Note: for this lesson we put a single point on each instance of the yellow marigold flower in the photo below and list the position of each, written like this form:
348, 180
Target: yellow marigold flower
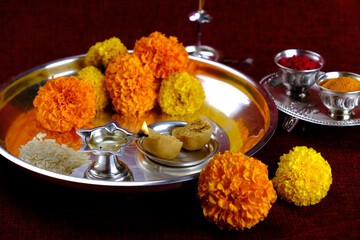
164, 55
131, 85
303, 177
65, 103
96, 79
181, 94
235, 191
102, 53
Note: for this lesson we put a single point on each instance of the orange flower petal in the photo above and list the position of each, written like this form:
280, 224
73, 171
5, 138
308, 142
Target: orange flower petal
235, 191
65, 103
164, 55
131, 85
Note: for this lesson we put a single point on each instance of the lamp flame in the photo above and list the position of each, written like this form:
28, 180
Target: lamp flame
145, 128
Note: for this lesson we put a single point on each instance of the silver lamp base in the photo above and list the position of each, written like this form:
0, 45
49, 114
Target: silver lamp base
109, 168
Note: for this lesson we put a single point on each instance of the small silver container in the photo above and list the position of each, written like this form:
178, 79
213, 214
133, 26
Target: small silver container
297, 82
340, 104
218, 142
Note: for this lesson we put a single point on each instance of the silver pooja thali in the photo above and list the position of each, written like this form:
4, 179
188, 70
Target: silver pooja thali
242, 114
309, 109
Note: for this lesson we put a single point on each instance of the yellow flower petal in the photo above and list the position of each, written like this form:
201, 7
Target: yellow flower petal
102, 53
181, 94
303, 177
96, 79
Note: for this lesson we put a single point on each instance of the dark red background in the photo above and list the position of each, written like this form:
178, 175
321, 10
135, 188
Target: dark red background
36, 32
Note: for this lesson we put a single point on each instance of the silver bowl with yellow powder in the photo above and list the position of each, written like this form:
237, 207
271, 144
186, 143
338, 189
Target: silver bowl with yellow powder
341, 103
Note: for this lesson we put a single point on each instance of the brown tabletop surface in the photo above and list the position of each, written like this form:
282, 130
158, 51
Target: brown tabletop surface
35, 32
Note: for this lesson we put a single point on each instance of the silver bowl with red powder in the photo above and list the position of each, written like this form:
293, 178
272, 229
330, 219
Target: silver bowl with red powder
298, 70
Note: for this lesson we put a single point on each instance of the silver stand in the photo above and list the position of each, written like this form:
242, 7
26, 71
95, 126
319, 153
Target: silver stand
198, 50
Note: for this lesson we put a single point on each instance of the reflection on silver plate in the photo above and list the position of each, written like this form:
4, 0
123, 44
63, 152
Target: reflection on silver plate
309, 109
187, 158
239, 105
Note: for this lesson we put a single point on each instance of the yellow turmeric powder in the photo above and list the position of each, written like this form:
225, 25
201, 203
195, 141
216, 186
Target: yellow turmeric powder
342, 84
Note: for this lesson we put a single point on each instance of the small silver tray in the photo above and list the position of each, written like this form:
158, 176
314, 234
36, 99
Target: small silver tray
309, 109
186, 158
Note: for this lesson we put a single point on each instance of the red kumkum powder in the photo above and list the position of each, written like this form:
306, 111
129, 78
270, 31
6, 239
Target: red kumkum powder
301, 62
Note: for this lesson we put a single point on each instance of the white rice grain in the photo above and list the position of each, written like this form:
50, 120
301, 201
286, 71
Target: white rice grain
48, 155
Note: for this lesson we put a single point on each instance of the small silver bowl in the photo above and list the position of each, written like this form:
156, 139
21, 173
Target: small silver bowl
298, 82
219, 142
340, 104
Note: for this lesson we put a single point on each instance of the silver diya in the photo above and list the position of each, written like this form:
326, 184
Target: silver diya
107, 143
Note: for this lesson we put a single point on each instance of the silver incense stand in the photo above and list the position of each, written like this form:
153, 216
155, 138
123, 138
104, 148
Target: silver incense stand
198, 50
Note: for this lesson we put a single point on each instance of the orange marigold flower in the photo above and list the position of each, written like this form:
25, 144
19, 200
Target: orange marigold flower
65, 103
102, 53
235, 191
132, 86
181, 94
164, 55
303, 177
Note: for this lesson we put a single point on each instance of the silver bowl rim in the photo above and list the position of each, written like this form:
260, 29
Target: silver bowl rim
137, 186
303, 52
